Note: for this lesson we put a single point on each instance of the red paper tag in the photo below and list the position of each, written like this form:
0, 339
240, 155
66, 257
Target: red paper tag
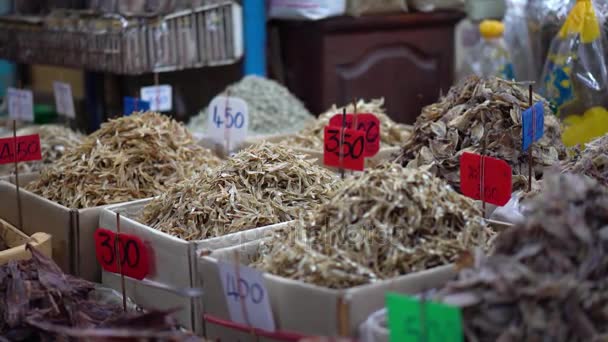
28, 148
134, 257
367, 123
353, 148
497, 174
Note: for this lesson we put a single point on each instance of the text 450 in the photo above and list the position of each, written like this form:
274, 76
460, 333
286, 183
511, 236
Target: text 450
232, 120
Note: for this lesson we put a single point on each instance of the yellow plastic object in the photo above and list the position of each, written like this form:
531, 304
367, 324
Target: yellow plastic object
490, 29
582, 129
581, 20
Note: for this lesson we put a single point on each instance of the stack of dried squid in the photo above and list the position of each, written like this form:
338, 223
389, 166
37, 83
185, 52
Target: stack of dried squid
592, 161
547, 278
392, 134
388, 222
261, 185
55, 140
128, 158
475, 111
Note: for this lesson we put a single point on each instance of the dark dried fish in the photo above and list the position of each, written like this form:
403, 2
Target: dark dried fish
473, 111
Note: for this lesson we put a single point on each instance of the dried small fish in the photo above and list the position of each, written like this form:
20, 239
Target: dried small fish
388, 222
54, 141
546, 279
129, 158
592, 161
474, 111
261, 185
391, 133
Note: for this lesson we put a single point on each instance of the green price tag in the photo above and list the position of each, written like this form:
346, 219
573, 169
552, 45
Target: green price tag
410, 320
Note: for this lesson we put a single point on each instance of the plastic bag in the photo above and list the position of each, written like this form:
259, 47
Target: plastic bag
490, 57
436, 5
306, 9
518, 40
359, 7
575, 78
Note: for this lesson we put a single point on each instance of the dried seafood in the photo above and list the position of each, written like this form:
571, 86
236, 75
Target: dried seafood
547, 277
261, 185
476, 110
272, 108
54, 141
392, 134
592, 161
390, 221
128, 158
39, 302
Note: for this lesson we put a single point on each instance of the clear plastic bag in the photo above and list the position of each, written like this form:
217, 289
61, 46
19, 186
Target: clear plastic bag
306, 9
574, 77
490, 57
518, 41
359, 7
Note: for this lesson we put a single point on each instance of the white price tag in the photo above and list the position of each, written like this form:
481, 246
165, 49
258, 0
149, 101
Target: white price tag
227, 121
249, 304
20, 104
160, 97
64, 102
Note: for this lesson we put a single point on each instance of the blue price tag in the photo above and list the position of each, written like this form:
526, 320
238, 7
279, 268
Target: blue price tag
134, 104
533, 125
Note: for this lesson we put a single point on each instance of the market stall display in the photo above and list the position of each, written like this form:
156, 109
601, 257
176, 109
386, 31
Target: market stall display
474, 111
388, 222
591, 161
546, 277
13, 242
132, 157
262, 185
55, 140
272, 108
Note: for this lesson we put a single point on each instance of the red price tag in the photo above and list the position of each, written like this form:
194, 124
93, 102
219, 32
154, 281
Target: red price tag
135, 262
367, 123
353, 147
28, 148
496, 176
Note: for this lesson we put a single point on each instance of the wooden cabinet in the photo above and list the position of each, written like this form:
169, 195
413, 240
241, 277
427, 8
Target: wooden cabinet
407, 59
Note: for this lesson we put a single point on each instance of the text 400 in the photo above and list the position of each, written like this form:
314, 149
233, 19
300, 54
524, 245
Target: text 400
253, 291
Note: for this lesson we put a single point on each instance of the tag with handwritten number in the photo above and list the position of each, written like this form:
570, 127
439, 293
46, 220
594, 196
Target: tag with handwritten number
28, 148
533, 125
367, 123
353, 148
228, 121
160, 97
411, 320
20, 104
64, 102
496, 183
252, 295
135, 262
131, 105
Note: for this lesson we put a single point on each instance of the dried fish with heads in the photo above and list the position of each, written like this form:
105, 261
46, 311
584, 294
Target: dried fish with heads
388, 222
261, 185
591, 161
129, 158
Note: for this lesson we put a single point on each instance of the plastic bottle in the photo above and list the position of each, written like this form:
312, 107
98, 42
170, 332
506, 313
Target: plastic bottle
490, 57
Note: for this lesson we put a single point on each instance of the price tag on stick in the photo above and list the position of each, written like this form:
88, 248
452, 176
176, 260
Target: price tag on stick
64, 102
160, 97
135, 261
27, 149
533, 125
367, 123
228, 121
244, 286
490, 175
20, 104
410, 319
352, 151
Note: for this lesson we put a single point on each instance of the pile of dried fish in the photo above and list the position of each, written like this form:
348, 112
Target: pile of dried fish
272, 108
592, 161
54, 141
392, 134
547, 277
480, 110
388, 222
261, 185
128, 158
39, 302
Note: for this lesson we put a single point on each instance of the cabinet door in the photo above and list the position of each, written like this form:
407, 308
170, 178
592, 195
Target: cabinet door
408, 67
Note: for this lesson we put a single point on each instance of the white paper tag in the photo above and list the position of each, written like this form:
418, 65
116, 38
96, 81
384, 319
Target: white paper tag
160, 97
64, 102
228, 121
20, 104
249, 305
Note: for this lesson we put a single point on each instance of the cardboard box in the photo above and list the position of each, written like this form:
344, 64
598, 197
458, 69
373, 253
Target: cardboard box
304, 308
173, 261
72, 229
16, 241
